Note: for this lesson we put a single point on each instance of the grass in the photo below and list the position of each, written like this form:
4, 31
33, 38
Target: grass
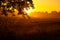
16, 28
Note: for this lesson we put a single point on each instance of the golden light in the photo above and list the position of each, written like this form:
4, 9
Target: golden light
46, 5
11, 8
4, 3
15, 12
28, 2
28, 10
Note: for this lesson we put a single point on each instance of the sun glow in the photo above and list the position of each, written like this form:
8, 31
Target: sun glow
46, 5
28, 10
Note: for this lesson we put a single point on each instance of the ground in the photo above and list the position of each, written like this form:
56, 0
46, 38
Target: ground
19, 28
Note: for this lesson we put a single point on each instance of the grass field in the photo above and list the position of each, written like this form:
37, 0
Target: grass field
17, 28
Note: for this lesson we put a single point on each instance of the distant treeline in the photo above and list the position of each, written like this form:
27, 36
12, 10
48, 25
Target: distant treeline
52, 14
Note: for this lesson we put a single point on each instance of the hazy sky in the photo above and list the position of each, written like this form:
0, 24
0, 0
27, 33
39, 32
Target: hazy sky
47, 5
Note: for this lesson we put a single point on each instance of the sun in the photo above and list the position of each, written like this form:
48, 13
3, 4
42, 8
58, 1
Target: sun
29, 10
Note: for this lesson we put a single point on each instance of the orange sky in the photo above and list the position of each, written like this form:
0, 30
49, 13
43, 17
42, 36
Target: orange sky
47, 5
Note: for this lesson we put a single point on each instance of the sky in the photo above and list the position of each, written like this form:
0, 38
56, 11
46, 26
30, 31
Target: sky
46, 5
